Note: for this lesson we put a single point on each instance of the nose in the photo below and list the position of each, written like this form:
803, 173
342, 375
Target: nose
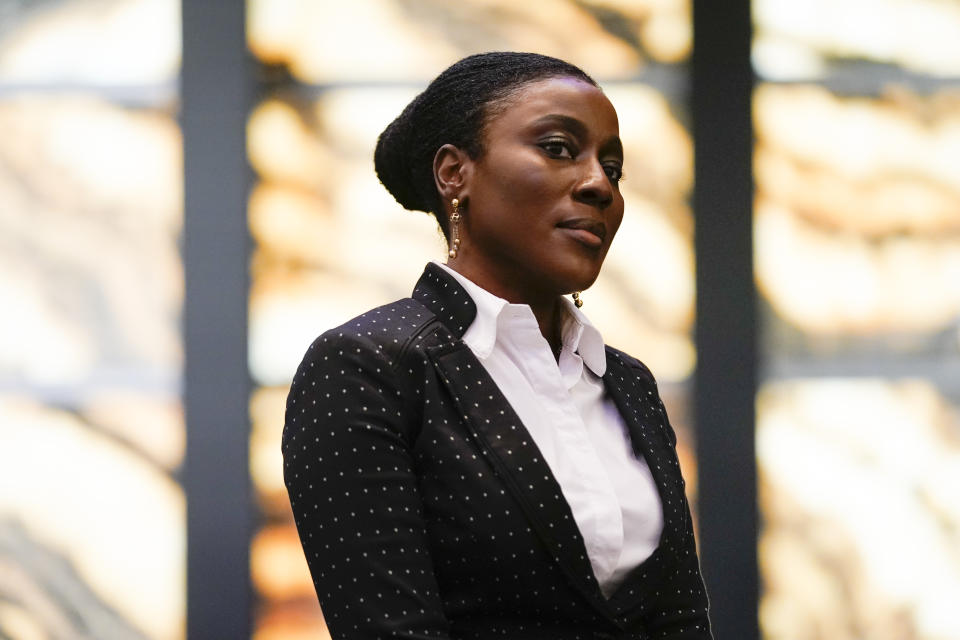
594, 187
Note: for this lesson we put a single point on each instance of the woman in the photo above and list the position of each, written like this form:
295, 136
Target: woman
472, 462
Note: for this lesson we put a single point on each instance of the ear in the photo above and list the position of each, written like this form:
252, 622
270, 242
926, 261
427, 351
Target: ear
451, 172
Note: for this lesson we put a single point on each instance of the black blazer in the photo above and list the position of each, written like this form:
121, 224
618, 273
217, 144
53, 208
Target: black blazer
426, 511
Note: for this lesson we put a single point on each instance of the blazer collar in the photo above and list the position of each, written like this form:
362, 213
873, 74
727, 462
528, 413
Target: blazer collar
439, 292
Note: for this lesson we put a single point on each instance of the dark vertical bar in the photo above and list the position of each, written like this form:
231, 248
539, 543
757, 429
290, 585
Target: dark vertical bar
726, 332
216, 94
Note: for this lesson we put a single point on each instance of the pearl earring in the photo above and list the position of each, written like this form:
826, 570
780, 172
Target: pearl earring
576, 299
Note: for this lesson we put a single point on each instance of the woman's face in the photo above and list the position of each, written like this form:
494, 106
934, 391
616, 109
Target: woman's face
542, 202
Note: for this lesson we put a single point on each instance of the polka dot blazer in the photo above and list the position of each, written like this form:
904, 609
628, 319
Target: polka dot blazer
426, 511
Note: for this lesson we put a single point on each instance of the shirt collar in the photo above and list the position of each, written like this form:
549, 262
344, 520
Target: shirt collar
581, 336
577, 332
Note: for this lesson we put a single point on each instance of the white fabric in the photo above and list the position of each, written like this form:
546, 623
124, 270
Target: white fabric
576, 426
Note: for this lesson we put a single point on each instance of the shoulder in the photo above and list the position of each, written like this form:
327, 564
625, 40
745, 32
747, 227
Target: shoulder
381, 333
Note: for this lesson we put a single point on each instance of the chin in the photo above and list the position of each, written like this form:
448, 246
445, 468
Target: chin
579, 278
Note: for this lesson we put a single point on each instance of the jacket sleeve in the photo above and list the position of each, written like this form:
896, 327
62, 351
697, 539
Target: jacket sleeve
679, 608
350, 476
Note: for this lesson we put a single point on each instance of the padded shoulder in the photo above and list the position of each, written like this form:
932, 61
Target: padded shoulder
387, 329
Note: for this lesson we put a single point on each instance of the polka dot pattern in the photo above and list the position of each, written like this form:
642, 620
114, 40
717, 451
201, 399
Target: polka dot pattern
425, 510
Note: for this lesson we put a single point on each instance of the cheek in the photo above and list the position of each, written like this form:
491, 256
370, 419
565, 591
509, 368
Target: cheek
616, 220
523, 180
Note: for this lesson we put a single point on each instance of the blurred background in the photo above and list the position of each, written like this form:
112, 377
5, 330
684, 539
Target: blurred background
149, 148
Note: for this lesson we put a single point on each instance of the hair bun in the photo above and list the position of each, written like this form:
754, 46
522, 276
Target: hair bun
393, 163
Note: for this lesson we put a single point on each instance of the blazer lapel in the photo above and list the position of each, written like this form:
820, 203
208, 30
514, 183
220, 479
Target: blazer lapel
500, 435
643, 413
640, 411
518, 463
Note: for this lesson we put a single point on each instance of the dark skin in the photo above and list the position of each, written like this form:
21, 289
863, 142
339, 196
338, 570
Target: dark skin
542, 203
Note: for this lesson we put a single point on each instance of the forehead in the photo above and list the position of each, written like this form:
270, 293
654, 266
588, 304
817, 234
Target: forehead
556, 96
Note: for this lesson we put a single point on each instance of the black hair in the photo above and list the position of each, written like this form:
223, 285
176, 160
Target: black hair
453, 109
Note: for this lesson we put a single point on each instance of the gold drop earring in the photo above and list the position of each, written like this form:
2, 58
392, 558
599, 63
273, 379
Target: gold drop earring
455, 228
576, 299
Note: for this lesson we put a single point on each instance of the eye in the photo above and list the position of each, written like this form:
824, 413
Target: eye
614, 171
558, 148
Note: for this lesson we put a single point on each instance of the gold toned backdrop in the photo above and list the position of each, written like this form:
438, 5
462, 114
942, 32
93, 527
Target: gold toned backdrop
91, 288
857, 250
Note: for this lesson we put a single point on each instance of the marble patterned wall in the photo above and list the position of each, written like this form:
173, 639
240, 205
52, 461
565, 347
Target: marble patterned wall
857, 250
92, 532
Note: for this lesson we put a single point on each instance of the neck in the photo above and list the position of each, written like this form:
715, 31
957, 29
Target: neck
546, 306
550, 320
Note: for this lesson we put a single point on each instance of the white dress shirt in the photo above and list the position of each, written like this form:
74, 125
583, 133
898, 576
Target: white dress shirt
576, 426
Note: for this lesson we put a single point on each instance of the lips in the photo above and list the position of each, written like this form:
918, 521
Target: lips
589, 231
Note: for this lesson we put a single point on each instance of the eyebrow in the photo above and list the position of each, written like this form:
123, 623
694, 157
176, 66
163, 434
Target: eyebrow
578, 129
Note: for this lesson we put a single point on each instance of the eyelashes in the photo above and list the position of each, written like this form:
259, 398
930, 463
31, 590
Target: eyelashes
614, 172
558, 148
561, 148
